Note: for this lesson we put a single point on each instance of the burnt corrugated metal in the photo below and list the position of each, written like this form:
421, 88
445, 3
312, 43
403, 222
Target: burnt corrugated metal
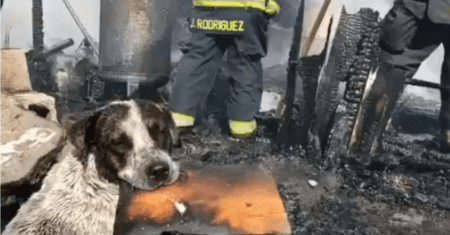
135, 38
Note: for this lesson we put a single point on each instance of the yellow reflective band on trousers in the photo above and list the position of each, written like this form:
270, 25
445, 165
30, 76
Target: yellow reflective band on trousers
182, 120
242, 127
271, 8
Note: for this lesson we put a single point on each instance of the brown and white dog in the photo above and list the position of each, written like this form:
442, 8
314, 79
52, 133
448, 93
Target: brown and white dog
125, 141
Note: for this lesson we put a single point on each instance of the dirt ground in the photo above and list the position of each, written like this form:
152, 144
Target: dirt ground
406, 191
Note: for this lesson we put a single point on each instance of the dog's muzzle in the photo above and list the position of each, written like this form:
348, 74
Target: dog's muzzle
147, 172
158, 171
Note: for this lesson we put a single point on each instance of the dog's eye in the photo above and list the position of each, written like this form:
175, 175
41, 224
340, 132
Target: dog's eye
121, 144
119, 149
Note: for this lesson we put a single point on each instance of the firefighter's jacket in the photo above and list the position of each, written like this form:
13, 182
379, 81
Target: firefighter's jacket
269, 7
438, 11
230, 16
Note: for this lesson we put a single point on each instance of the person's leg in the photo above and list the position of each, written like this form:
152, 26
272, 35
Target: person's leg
194, 78
246, 84
406, 41
444, 116
245, 91
246, 75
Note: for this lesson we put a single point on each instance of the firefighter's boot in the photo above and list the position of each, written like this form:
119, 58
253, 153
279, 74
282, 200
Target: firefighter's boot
377, 105
243, 130
184, 123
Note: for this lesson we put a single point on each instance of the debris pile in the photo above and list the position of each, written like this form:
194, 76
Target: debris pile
29, 128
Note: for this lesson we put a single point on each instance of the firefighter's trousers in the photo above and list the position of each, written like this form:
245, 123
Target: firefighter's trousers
204, 57
407, 40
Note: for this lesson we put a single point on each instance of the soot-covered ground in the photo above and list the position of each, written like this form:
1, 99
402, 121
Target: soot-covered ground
406, 191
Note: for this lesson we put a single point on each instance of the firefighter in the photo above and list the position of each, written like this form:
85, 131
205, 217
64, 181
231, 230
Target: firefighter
237, 29
410, 32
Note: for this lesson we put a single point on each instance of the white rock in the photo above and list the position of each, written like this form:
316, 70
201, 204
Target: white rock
41, 99
312, 183
32, 138
25, 137
17, 157
407, 219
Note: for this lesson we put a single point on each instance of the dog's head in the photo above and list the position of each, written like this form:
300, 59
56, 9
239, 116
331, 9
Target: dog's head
131, 141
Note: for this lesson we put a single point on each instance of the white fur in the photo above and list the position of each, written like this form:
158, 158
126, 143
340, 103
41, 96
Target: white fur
136, 129
143, 146
73, 200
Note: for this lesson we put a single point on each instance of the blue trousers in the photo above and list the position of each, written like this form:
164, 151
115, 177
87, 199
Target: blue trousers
408, 37
240, 55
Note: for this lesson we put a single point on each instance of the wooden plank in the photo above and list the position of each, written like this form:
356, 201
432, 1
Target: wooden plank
316, 26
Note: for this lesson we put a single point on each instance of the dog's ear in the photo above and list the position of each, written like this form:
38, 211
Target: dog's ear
83, 132
90, 135
169, 138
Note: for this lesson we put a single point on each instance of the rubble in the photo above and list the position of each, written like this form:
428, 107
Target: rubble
349, 198
26, 136
312, 183
407, 220
37, 101
16, 154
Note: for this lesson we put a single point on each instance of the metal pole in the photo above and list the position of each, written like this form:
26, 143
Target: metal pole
54, 49
80, 25
316, 26
421, 83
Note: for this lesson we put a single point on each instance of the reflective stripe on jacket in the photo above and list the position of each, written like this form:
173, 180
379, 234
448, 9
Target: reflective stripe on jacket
268, 6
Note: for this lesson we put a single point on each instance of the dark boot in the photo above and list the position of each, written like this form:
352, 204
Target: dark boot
377, 106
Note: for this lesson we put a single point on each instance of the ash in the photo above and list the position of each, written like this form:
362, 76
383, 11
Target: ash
405, 191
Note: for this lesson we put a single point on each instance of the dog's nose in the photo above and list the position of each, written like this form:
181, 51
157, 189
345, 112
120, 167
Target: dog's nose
158, 171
